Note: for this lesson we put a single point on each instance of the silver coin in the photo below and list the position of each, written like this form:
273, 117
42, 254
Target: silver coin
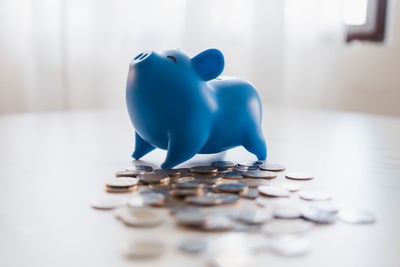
260, 174
222, 170
153, 178
186, 192
245, 168
318, 216
217, 223
289, 245
184, 171
140, 217
192, 218
204, 169
272, 167
223, 164
251, 193
314, 195
183, 179
159, 190
183, 207
128, 173
231, 187
119, 212
254, 216
168, 172
228, 198
243, 227
140, 168
194, 245
272, 191
290, 186
356, 216
325, 206
287, 211
122, 182
254, 183
299, 176
233, 175
262, 201
204, 200
150, 199
252, 163
194, 184
209, 176
107, 203
287, 227
144, 249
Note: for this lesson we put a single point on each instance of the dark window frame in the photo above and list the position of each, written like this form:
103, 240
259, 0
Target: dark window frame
374, 28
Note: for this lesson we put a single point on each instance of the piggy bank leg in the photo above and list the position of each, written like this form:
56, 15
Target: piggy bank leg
141, 147
254, 142
182, 147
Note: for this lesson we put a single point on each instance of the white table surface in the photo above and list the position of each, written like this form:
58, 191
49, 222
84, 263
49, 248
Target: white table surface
51, 164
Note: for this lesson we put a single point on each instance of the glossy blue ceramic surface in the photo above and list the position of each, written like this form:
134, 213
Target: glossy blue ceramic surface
177, 103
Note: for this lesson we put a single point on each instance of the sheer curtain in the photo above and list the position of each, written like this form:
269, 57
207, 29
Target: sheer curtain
73, 54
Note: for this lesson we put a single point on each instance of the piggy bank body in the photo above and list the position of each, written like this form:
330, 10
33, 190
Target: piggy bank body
178, 104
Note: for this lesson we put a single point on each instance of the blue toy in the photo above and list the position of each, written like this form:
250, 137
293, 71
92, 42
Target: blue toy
177, 103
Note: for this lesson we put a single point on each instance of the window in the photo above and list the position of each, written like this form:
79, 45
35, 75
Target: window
365, 20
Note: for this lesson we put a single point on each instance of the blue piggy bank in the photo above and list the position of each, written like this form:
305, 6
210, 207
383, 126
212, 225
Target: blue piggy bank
177, 103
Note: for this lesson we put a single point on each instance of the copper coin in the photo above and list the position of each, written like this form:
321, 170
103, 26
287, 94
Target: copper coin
120, 189
122, 182
153, 178
185, 192
204, 169
232, 175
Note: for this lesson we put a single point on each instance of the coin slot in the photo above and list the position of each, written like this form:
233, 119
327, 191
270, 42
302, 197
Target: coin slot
138, 56
143, 56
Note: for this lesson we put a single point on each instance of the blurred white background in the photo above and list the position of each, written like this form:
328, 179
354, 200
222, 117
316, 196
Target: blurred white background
63, 55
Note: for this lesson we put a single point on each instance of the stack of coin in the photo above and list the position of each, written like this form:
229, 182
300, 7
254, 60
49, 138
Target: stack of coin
224, 196
121, 185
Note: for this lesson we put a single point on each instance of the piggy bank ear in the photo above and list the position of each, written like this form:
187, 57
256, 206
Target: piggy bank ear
209, 64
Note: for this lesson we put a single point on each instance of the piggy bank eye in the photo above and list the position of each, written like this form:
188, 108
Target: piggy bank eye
173, 58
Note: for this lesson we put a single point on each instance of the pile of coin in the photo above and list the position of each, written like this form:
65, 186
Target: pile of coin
224, 196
